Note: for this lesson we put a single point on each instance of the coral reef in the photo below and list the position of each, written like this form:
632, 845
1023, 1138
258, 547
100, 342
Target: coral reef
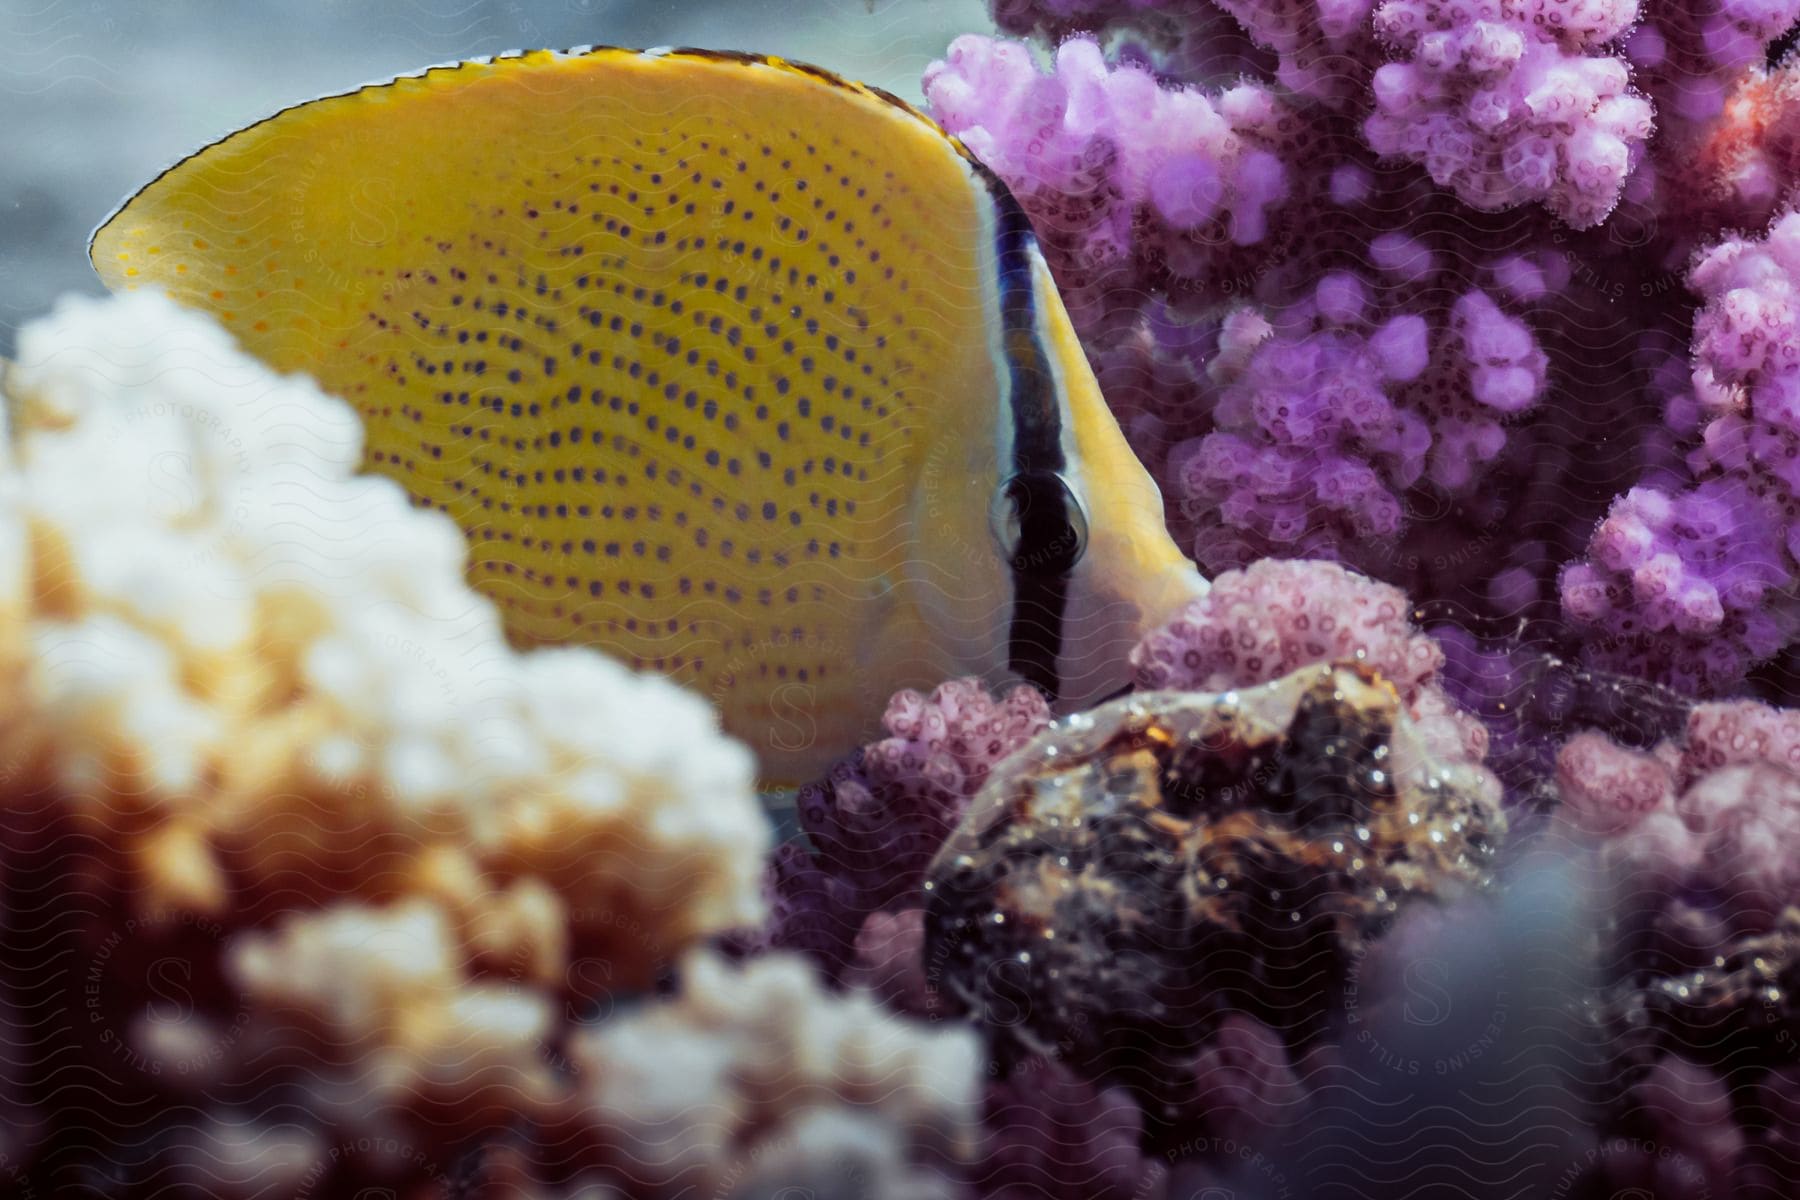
1507, 104
1330, 281
1055, 1136
879, 816
1274, 617
1461, 339
1491, 302
1698, 585
1700, 836
1717, 815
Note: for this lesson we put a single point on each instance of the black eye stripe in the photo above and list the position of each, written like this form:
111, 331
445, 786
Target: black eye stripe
1036, 634
1048, 545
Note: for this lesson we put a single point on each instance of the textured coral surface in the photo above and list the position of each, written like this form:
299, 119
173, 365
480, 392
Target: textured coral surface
1492, 304
1131, 883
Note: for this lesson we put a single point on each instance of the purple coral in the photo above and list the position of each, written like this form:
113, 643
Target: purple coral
1690, 54
1337, 410
1055, 1136
876, 819
1289, 366
1508, 103
1696, 585
1123, 176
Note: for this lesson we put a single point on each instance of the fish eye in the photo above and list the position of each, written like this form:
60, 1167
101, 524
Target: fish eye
1039, 523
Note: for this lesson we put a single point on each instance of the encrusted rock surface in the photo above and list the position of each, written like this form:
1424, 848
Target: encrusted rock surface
1138, 873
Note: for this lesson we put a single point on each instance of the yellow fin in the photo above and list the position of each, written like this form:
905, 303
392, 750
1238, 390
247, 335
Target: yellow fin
671, 335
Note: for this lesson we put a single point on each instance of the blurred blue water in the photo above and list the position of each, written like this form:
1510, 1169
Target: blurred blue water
96, 97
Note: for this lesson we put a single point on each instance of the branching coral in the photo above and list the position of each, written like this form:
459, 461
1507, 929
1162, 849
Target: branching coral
256, 677
382, 997
1124, 178
1697, 585
1298, 424
1507, 103
1718, 814
879, 816
755, 1079
882, 814
1317, 442
320, 836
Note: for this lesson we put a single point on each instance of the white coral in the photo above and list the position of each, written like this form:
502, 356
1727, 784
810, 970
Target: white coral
384, 994
758, 1071
216, 636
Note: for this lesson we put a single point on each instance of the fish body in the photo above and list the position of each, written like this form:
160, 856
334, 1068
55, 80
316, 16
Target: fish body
738, 370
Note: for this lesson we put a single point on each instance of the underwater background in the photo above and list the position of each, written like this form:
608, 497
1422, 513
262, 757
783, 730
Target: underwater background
95, 98
1445, 841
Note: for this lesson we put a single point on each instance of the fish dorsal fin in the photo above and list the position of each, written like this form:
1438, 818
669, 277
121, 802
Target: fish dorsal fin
676, 337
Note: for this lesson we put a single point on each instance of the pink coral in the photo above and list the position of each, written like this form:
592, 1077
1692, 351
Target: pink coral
1749, 816
1276, 616
1721, 810
879, 816
950, 740
1607, 788
1726, 734
1508, 103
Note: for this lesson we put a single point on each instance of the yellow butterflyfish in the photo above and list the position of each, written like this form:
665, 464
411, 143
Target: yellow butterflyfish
738, 370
